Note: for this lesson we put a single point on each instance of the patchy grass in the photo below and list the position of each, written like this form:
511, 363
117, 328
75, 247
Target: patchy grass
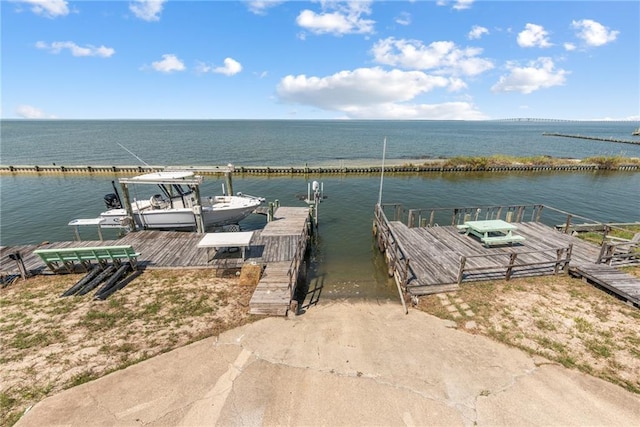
51, 343
562, 319
498, 160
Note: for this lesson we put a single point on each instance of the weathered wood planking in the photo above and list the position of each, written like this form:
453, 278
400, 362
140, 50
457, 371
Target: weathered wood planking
281, 239
276, 246
434, 254
618, 282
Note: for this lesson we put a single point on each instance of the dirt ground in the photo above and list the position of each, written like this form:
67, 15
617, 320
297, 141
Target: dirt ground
50, 343
557, 317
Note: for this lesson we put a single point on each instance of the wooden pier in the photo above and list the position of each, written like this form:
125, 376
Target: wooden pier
279, 248
285, 243
432, 259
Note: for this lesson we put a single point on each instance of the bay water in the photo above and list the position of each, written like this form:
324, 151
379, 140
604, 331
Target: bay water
37, 208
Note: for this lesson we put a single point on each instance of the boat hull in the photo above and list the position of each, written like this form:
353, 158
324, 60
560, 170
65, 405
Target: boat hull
183, 218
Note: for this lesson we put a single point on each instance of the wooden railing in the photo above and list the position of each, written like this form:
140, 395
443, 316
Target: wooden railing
397, 260
298, 257
560, 262
622, 252
457, 216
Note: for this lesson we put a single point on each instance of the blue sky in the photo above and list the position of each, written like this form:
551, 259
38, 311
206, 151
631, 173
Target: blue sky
432, 60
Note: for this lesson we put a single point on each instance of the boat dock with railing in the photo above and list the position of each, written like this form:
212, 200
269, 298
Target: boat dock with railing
430, 250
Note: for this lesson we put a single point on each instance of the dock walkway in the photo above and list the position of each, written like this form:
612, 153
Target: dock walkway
285, 243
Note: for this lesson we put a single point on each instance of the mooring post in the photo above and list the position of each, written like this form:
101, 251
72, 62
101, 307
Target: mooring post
127, 206
227, 174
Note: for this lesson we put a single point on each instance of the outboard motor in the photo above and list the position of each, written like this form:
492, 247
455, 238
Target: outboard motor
112, 201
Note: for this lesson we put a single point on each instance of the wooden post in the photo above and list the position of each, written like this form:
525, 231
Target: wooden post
567, 224
17, 257
605, 232
539, 213
509, 216
463, 261
127, 206
569, 252
512, 261
270, 212
558, 259
229, 179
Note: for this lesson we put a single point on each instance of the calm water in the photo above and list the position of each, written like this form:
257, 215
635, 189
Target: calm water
34, 209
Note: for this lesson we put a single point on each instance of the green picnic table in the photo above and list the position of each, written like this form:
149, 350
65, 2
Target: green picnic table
493, 232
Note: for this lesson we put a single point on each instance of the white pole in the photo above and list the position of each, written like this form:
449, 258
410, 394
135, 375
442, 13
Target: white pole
384, 153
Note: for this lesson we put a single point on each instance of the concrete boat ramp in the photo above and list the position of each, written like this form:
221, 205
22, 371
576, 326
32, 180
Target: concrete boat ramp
343, 364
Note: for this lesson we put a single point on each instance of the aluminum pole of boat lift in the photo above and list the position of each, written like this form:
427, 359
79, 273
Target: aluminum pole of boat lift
197, 210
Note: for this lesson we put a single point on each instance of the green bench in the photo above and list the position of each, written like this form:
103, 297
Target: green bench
501, 240
69, 257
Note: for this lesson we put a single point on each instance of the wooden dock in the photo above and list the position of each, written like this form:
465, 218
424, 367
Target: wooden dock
427, 260
285, 240
280, 247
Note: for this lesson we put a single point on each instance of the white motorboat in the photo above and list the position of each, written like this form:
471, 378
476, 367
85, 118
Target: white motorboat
177, 206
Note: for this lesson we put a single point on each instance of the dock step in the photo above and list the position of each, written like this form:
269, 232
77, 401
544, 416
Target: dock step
622, 284
272, 295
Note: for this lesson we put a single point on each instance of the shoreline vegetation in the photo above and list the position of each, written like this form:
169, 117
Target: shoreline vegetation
495, 163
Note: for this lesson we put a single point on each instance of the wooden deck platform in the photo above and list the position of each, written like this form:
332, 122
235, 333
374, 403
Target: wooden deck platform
282, 242
435, 254
427, 260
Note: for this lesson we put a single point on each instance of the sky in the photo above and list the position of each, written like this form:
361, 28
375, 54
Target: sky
358, 60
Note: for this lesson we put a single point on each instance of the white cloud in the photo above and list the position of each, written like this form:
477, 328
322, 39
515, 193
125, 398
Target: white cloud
594, 33
168, 64
373, 93
442, 56
444, 111
539, 74
231, 67
147, 10
31, 112
403, 19
477, 32
569, 47
463, 4
48, 8
457, 5
533, 36
260, 7
338, 18
89, 50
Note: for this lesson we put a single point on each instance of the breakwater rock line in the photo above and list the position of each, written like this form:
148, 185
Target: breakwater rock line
308, 170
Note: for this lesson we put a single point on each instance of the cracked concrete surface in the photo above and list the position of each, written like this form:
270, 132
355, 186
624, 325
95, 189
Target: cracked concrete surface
343, 363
